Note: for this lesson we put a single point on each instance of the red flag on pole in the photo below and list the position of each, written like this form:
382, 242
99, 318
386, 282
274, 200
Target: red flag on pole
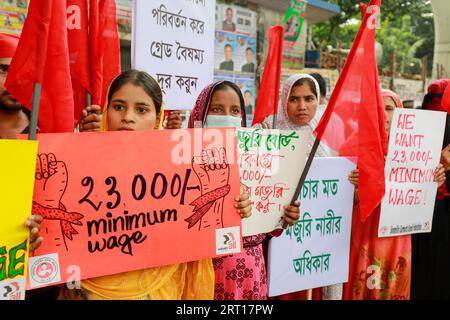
78, 40
104, 47
42, 57
269, 91
356, 109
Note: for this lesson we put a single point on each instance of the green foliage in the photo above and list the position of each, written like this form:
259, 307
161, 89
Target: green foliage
407, 27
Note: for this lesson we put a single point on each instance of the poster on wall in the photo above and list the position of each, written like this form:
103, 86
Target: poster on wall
236, 19
225, 52
12, 15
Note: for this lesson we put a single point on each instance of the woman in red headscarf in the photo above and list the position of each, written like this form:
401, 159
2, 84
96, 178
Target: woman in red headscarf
380, 268
431, 258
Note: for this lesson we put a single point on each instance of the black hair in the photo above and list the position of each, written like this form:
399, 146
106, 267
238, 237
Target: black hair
228, 45
248, 48
229, 9
230, 85
429, 97
307, 81
322, 83
141, 79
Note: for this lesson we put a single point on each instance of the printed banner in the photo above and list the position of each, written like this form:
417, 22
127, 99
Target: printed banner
16, 193
123, 201
124, 18
236, 19
293, 20
415, 143
12, 16
315, 251
270, 164
179, 50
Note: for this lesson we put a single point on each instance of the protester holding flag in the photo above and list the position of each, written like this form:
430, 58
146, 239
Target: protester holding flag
380, 268
297, 110
239, 276
430, 251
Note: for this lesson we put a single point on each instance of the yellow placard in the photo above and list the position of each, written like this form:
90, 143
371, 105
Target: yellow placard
17, 170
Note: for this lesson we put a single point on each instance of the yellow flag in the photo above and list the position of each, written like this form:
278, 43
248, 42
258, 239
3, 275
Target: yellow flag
17, 169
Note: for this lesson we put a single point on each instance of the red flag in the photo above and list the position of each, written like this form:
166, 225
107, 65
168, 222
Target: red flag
42, 56
356, 109
269, 91
78, 39
104, 46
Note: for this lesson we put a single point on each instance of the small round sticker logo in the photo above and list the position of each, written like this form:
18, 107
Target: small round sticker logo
44, 270
383, 230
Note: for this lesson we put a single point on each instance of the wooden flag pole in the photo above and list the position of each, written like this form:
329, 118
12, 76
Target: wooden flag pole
304, 174
35, 111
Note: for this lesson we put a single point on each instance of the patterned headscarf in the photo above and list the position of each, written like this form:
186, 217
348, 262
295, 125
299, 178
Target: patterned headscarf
283, 121
433, 100
393, 96
104, 125
200, 111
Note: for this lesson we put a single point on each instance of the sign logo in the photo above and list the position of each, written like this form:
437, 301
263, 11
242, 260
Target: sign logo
228, 240
13, 289
383, 230
44, 270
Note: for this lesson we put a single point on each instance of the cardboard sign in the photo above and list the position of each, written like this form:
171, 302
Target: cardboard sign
315, 251
414, 153
123, 201
18, 162
270, 164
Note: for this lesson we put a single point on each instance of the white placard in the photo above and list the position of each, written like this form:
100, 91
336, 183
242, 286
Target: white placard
270, 165
415, 144
315, 252
174, 42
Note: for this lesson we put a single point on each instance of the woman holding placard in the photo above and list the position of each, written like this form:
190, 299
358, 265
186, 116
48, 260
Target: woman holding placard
430, 258
380, 268
239, 276
297, 110
135, 102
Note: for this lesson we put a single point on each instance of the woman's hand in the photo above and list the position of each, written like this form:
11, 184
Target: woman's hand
439, 175
34, 224
445, 157
174, 120
354, 177
243, 205
292, 213
91, 119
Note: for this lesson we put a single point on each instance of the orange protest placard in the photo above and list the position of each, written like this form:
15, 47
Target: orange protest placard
122, 201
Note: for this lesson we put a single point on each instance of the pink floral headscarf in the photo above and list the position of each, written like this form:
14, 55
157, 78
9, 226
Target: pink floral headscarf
200, 111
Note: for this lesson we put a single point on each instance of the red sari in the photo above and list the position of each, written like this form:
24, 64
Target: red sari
380, 268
